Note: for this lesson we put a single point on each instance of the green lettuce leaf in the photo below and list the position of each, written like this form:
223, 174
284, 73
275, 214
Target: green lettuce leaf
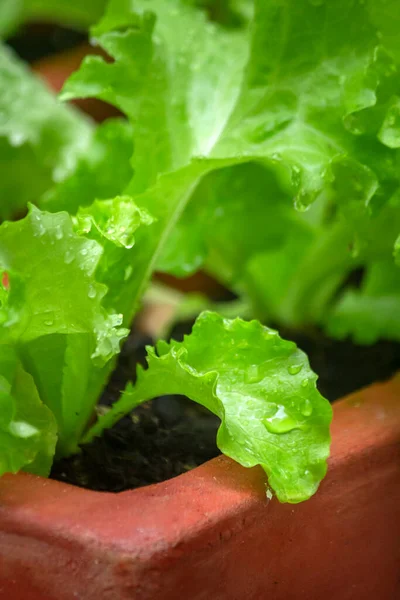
103, 171
10, 16
55, 316
114, 225
311, 101
177, 111
40, 139
28, 431
173, 131
260, 386
249, 214
371, 312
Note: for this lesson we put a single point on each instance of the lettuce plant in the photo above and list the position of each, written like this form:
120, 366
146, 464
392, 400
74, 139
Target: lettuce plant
262, 148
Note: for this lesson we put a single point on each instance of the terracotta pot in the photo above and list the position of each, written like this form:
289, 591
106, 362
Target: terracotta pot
213, 534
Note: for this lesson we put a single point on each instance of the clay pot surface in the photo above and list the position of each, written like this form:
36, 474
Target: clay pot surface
212, 533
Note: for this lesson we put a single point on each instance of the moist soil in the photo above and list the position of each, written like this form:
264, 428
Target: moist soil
170, 435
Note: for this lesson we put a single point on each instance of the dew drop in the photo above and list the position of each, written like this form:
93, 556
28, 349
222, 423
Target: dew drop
22, 429
307, 408
92, 292
296, 176
58, 233
294, 369
242, 344
301, 202
49, 322
16, 138
355, 249
68, 257
128, 272
353, 123
127, 240
281, 422
84, 251
253, 375
39, 230
305, 382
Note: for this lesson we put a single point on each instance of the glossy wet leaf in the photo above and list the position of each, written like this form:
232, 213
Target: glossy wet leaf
28, 430
260, 386
40, 139
304, 92
55, 317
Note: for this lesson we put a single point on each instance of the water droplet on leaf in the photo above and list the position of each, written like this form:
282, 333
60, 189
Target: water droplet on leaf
22, 429
16, 139
128, 272
294, 369
304, 199
354, 124
68, 257
253, 375
307, 408
296, 176
39, 230
275, 156
242, 344
281, 422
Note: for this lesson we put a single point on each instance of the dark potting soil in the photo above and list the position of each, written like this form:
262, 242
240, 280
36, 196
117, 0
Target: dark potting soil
159, 440
170, 435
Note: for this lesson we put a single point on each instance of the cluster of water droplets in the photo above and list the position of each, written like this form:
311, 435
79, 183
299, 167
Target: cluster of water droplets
283, 419
38, 227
